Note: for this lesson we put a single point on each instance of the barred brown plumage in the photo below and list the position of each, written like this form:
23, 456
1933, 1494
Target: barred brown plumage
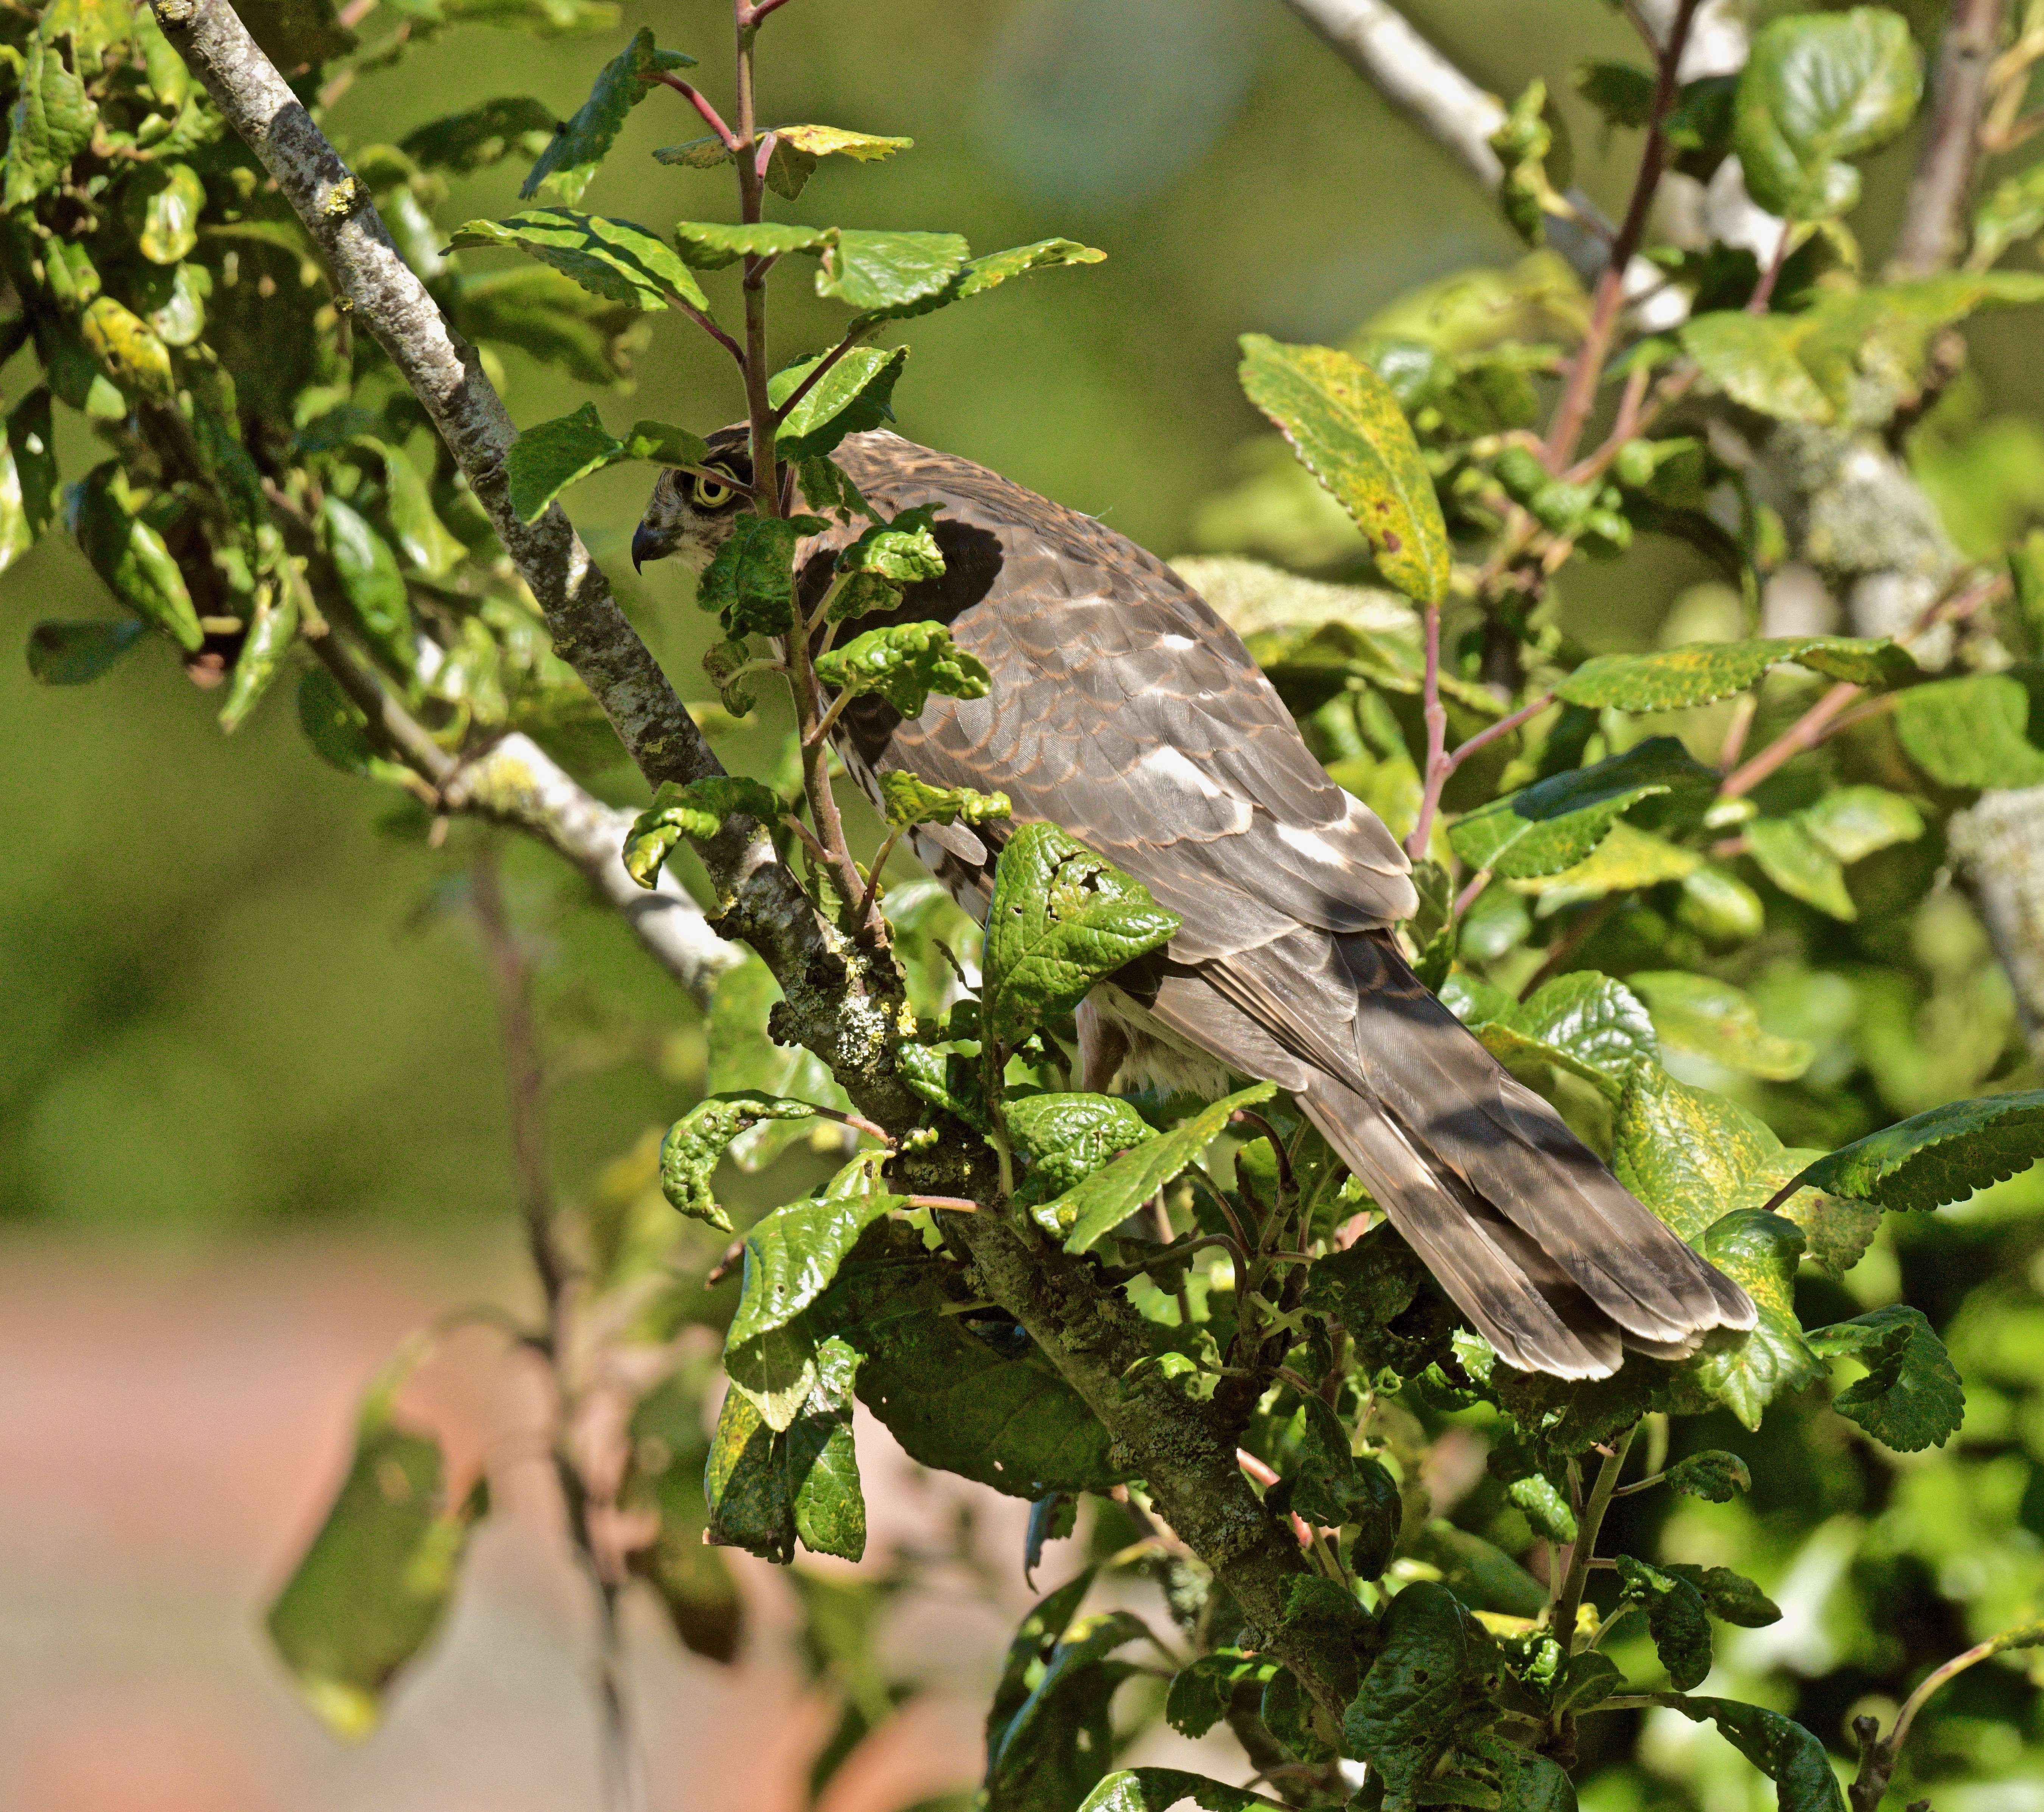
1124, 709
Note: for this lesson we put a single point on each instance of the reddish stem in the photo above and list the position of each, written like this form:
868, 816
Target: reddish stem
1438, 769
1467, 897
1806, 732
701, 102
809, 382
1504, 726
1763, 293
710, 327
1589, 366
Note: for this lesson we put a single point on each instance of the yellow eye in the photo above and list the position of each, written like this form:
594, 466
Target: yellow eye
707, 494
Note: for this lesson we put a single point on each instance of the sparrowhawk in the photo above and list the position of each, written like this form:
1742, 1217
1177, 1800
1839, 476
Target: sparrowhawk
1125, 709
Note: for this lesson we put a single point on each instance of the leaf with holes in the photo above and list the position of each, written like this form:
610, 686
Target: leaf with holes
694, 1146
1675, 1619
1347, 427
1428, 1681
1714, 1476
1779, 1746
1158, 1789
1061, 918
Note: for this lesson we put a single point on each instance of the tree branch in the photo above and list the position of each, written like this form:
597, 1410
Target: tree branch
838, 1004
1931, 231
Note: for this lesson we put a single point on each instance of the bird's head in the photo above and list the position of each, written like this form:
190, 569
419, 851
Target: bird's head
691, 513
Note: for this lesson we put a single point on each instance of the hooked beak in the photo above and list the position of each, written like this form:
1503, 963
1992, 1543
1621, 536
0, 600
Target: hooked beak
646, 545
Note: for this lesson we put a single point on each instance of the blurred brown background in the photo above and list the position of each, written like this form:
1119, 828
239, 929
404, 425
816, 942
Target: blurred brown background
251, 1113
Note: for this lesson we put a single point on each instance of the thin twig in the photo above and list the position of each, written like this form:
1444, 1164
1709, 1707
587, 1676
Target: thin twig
1436, 715
816, 371
1806, 732
1588, 367
1504, 726
1580, 1552
701, 102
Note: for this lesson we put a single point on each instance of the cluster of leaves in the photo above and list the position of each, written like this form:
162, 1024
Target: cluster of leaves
1634, 931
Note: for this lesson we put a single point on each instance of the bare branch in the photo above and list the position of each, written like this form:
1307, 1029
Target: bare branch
518, 782
1931, 233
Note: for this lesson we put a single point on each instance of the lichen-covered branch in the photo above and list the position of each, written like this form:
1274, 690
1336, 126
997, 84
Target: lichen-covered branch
830, 990
1931, 221
516, 782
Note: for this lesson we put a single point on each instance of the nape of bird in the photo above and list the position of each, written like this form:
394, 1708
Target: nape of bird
1125, 709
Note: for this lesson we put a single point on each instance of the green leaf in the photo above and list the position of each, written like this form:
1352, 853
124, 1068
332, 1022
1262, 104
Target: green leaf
127, 349
1728, 1596
374, 1585
271, 633
129, 556
824, 486
1970, 732
909, 801
699, 811
1746, 1371
1430, 1678
1779, 1746
1675, 1619
1752, 359
1055, 1749
614, 259
1794, 860
1200, 1694
31, 469
1067, 1137
2014, 211
465, 142
1941, 1157
854, 395
1818, 88
1432, 927
50, 123
1085, 1213
1035, 1637
1691, 1155
903, 551
1911, 1398
1061, 919
75, 654
423, 538
882, 272
990, 1408
565, 167
1701, 671
1533, 133
694, 1146
903, 663
766, 1487
1713, 1019
370, 580
1345, 425
337, 731
1720, 906
790, 1258
1714, 1476
1157, 1790
974, 277
540, 311
1627, 859
1553, 824
751, 581
1622, 92
545, 459
1585, 1023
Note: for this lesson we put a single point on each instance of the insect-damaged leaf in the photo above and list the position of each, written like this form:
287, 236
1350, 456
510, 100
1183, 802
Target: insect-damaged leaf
1675, 1619
905, 663
129, 556
909, 801
1061, 919
1067, 1137
1346, 425
374, 1585
1779, 1746
790, 1258
565, 167
1911, 1398
1714, 1475
750, 582
694, 1146
1432, 1676
699, 811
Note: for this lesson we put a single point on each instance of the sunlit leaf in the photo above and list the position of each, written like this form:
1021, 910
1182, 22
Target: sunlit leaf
129, 556
613, 259
1941, 1157
1713, 1019
750, 580
903, 663
1970, 732
565, 167
1779, 1746
1555, 823
1428, 1680
854, 395
694, 1146
1702, 672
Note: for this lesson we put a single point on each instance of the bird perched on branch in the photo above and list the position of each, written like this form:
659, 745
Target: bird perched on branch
1125, 709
